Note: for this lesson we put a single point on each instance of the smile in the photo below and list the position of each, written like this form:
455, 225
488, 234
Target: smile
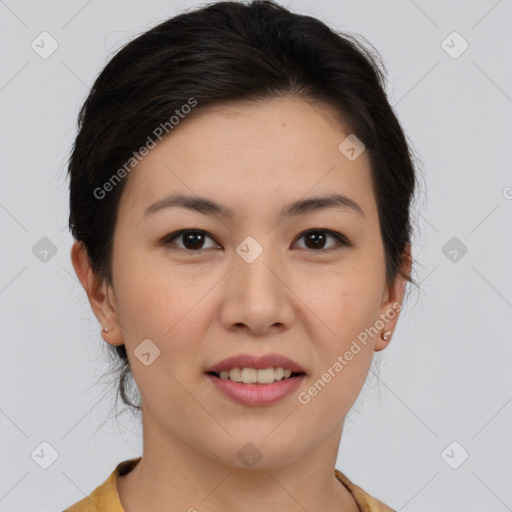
253, 375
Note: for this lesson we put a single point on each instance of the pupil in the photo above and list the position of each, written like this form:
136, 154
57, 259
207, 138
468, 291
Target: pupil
316, 237
194, 238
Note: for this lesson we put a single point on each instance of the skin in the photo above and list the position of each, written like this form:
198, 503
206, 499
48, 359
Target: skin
201, 307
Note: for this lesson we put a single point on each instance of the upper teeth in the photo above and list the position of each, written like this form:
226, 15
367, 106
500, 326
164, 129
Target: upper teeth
251, 375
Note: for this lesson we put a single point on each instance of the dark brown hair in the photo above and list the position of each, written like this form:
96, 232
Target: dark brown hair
227, 52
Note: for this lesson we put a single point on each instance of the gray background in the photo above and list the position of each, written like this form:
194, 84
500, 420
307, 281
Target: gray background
446, 375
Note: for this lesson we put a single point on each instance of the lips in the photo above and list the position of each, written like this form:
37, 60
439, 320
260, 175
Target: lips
258, 362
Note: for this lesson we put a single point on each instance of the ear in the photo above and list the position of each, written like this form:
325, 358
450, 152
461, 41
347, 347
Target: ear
392, 301
98, 291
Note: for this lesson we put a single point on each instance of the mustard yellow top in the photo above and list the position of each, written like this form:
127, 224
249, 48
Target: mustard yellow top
106, 499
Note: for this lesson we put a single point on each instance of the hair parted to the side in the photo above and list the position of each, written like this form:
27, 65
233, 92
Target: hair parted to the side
228, 52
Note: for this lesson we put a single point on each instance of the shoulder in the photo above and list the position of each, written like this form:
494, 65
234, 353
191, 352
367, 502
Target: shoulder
366, 502
105, 497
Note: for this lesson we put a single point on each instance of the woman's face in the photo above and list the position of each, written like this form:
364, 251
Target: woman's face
251, 281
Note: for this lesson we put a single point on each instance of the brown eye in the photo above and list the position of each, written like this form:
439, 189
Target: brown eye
192, 239
316, 239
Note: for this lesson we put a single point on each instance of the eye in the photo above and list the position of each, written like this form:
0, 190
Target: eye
193, 239
316, 238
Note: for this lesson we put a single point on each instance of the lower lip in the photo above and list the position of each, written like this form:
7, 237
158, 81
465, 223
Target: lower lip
257, 394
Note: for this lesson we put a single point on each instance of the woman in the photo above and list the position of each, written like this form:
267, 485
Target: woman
239, 195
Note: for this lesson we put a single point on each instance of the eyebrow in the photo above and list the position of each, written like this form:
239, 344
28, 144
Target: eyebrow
207, 206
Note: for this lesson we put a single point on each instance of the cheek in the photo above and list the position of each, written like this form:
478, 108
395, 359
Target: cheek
150, 295
171, 315
166, 306
347, 305
345, 300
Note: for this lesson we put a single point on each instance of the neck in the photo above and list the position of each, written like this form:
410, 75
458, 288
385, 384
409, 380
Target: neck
176, 476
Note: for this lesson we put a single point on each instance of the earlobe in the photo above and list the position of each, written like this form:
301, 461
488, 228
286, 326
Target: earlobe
383, 341
112, 335
96, 290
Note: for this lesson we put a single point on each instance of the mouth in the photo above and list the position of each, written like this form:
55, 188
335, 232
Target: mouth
256, 380
253, 387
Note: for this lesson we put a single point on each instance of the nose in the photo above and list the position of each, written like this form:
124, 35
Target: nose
256, 297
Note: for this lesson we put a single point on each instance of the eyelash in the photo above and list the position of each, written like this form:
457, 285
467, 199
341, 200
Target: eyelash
341, 240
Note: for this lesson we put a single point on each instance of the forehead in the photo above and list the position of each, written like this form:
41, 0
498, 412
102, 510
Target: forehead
250, 156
